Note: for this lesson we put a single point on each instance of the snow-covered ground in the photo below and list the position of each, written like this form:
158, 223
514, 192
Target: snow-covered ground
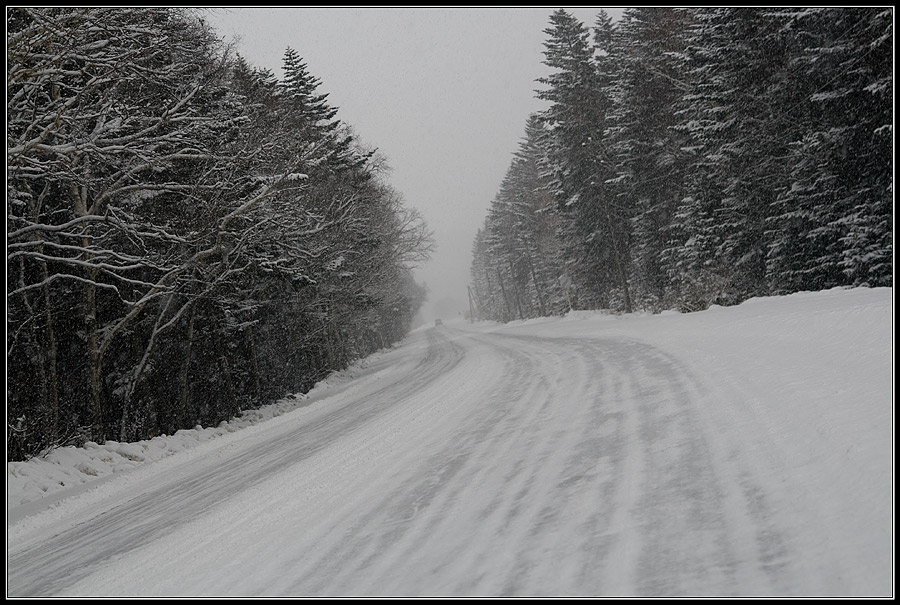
738, 451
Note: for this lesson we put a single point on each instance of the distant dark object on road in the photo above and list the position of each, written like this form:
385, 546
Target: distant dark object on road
438, 322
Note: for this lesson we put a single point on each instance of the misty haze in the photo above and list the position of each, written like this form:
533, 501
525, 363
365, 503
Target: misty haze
450, 302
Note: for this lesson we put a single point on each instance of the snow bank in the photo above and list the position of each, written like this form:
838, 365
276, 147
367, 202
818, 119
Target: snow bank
65, 471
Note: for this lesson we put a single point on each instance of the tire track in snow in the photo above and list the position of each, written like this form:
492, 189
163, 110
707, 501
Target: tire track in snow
600, 481
497, 465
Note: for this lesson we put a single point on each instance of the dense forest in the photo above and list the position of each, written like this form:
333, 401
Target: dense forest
690, 157
187, 235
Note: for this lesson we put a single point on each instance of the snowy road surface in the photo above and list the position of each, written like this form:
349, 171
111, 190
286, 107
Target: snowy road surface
515, 461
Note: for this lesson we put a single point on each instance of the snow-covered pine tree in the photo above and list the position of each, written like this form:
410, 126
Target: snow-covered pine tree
516, 256
737, 66
310, 109
539, 219
832, 221
649, 164
595, 230
491, 293
301, 88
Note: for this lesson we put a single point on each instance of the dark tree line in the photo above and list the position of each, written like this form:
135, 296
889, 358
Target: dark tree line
697, 156
187, 236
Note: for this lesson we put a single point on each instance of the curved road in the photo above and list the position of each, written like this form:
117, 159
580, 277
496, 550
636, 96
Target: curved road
464, 464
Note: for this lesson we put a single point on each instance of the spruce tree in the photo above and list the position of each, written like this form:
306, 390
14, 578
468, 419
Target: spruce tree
649, 165
595, 232
737, 64
310, 111
301, 88
832, 221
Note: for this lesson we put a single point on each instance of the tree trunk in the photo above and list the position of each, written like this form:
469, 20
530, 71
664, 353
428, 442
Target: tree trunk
509, 313
254, 363
516, 291
186, 372
135, 379
537, 288
78, 197
95, 360
52, 376
620, 263
225, 370
487, 277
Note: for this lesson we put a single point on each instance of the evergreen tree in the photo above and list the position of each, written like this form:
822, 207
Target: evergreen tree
832, 221
309, 108
301, 88
649, 165
517, 270
595, 233
539, 219
737, 65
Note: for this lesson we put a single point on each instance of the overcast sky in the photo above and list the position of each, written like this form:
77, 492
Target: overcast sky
442, 93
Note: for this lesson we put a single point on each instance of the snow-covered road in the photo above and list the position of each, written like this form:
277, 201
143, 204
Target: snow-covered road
517, 461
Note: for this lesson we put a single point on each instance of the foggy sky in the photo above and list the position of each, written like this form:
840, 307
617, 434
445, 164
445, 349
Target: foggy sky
442, 93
